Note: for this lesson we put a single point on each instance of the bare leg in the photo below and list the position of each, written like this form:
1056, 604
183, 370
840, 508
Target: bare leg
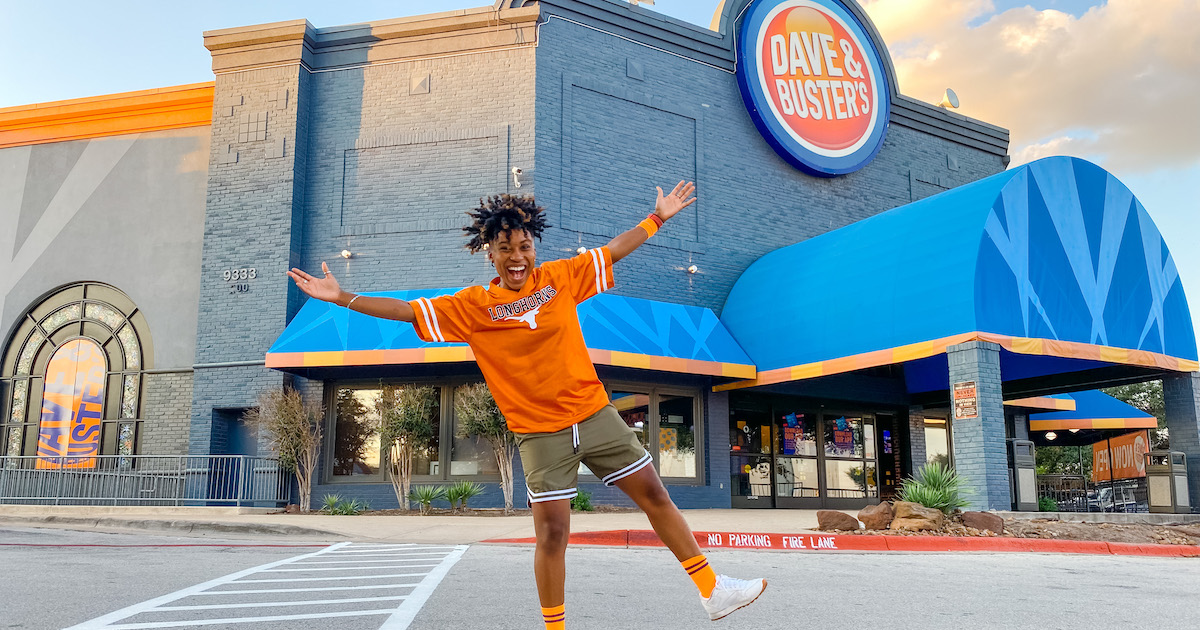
647, 491
552, 526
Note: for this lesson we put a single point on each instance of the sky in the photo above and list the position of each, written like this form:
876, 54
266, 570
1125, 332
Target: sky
1115, 82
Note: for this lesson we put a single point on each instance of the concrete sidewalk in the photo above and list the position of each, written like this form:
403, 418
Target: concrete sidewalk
217, 521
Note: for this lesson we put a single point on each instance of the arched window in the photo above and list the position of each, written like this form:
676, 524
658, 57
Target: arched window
73, 377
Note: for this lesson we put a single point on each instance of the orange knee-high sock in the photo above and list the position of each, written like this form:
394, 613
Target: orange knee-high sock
556, 617
701, 573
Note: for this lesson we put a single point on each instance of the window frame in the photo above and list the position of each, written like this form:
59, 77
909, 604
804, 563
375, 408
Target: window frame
447, 423
655, 392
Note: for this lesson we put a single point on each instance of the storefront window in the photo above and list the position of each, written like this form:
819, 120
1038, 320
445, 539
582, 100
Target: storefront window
356, 445
798, 435
796, 477
937, 441
676, 436
471, 456
635, 411
849, 479
843, 436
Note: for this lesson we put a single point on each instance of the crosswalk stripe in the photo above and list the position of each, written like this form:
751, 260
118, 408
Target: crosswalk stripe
310, 602
360, 587
216, 622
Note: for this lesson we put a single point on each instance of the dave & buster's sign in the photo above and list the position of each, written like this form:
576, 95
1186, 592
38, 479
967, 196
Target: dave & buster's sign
814, 84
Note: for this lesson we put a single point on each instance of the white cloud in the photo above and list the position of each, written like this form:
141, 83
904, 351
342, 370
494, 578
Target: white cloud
1126, 73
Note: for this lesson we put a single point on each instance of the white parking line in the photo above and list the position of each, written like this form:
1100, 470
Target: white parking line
398, 618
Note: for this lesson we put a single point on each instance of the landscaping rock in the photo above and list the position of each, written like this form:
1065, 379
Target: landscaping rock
983, 520
876, 516
916, 517
831, 520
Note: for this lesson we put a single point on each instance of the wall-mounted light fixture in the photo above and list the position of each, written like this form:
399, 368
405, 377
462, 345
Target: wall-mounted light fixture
693, 269
516, 172
581, 250
1050, 435
347, 254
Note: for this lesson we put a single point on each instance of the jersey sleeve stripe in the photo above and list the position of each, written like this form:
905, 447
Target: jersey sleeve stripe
428, 324
596, 268
437, 326
603, 270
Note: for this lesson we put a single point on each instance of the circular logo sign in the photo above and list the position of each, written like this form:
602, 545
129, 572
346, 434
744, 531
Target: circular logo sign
814, 84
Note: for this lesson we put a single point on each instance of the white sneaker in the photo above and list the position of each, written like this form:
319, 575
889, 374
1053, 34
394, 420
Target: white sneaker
731, 594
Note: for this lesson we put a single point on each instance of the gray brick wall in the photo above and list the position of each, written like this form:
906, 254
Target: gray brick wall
916, 437
167, 413
605, 139
392, 169
980, 455
254, 214
1181, 398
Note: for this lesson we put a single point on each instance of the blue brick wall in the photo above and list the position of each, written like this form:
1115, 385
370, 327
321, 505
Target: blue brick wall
980, 454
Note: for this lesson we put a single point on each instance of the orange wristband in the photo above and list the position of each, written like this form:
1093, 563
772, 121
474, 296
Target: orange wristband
651, 224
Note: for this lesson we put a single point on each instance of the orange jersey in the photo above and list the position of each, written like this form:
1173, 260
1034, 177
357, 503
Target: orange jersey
528, 344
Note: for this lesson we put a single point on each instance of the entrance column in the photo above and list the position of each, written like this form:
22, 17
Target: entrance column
980, 455
916, 439
1181, 402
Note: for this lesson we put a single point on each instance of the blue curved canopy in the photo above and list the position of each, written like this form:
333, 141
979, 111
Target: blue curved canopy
1056, 258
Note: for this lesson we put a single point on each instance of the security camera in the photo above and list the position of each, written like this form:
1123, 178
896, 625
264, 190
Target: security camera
516, 172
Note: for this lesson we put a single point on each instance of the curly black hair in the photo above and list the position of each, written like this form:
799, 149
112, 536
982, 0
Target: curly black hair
503, 213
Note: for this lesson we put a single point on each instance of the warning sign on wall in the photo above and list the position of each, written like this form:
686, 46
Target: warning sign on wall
966, 401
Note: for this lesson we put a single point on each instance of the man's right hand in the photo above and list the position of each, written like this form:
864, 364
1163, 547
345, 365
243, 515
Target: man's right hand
326, 289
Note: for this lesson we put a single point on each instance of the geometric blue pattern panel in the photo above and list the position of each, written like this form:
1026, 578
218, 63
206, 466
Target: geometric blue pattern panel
1068, 253
609, 322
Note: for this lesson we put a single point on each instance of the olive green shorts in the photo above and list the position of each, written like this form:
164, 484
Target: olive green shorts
603, 442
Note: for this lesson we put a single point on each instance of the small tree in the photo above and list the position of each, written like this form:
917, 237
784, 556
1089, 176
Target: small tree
478, 416
293, 428
407, 425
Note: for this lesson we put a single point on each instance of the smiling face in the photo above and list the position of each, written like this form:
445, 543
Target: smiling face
514, 256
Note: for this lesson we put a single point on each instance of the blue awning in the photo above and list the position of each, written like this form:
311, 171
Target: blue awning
1055, 259
619, 331
1093, 410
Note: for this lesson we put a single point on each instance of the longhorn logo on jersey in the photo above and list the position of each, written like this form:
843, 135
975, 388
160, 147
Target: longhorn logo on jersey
525, 309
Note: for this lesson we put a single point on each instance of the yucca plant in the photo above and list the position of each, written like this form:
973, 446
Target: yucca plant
426, 495
935, 486
330, 502
461, 492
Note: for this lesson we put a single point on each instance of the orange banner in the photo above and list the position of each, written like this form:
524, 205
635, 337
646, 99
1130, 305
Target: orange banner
72, 404
1127, 460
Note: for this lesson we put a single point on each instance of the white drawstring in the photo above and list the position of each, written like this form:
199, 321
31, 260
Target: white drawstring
575, 437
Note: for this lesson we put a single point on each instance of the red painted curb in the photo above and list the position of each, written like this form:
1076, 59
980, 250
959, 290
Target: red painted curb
843, 542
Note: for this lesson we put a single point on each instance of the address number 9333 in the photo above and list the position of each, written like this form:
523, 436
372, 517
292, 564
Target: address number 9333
232, 275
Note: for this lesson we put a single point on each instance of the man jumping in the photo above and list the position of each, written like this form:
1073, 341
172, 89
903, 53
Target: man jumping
524, 331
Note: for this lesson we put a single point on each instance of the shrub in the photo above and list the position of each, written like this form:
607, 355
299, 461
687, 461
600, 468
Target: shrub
426, 495
461, 492
334, 504
935, 486
582, 501
1046, 504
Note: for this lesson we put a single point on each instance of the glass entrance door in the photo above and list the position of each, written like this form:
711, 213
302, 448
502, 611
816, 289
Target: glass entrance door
750, 460
797, 482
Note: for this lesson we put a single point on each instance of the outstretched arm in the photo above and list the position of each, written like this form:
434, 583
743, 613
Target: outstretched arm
665, 207
328, 290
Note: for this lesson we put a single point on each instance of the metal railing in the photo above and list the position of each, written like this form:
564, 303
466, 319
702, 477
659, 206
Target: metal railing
229, 480
1074, 493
